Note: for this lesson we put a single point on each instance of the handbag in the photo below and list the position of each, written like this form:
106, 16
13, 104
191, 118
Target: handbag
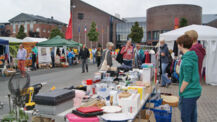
105, 66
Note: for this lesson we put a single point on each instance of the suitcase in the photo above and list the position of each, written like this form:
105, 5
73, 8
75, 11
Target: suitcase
53, 98
75, 118
54, 102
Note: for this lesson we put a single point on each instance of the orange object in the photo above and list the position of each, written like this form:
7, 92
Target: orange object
53, 88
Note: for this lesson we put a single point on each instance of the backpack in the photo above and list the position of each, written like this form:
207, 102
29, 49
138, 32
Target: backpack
119, 58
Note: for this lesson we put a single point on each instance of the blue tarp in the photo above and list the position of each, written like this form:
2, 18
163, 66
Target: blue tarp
4, 42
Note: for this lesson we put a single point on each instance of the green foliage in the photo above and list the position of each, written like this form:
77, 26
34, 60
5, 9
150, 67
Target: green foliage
183, 22
11, 117
21, 34
13, 50
55, 32
136, 33
93, 34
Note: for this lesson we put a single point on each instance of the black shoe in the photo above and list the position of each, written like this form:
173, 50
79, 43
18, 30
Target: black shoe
162, 85
82, 72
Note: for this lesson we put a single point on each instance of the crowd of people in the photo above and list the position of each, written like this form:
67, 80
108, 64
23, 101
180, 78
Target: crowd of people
189, 75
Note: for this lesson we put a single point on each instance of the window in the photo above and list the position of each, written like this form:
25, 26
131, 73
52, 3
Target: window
80, 16
156, 35
25, 27
149, 35
38, 30
14, 28
31, 26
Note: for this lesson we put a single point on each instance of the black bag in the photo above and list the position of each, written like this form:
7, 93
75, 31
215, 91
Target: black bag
93, 114
119, 57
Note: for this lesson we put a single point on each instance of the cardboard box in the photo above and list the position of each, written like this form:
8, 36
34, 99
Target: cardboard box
146, 116
148, 89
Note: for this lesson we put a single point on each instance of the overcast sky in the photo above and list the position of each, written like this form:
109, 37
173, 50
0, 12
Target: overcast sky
59, 9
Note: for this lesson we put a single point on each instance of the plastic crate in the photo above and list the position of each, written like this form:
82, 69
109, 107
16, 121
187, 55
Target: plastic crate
156, 103
162, 115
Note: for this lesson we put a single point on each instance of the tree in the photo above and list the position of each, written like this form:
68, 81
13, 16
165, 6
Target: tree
136, 33
183, 22
55, 32
93, 34
21, 34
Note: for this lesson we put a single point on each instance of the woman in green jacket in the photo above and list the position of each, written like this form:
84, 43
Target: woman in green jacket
189, 81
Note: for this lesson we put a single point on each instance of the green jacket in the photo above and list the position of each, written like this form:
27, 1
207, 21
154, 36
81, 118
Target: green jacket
189, 73
35, 50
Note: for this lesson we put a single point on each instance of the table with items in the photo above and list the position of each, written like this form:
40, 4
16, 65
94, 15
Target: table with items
122, 95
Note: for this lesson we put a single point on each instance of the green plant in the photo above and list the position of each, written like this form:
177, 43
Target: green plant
21, 34
11, 117
93, 34
55, 32
136, 33
183, 22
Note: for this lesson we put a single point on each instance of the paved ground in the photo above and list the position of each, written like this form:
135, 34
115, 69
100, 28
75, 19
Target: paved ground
58, 77
64, 77
207, 104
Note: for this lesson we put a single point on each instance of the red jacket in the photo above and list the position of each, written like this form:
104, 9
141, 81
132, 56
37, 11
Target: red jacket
201, 52
127, 54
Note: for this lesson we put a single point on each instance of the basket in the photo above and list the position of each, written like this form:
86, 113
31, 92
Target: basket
156, 103
162, 115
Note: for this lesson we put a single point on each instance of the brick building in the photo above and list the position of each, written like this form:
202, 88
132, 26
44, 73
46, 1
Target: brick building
210, 20
34, 25
83, 14
162, 18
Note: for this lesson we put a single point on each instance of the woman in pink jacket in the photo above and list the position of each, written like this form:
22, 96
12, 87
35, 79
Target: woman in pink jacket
127, 52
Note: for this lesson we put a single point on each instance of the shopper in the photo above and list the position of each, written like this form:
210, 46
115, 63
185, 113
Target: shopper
189, 85
21, 56
34, 57
53, 57
70, 56
127, 52
93, 55
84, 55
139, 55
164, 58
98, 56
197, 47
107, 52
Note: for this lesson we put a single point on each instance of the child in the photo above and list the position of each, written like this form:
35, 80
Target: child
189, 85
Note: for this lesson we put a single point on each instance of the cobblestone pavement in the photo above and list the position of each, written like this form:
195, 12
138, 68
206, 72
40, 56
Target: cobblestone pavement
206, 105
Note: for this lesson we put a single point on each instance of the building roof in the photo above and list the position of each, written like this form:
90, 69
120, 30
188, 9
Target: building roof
207, 18
102, 11
135, 19
29, 17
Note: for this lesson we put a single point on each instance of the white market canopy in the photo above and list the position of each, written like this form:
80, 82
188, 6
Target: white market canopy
31, 39
12, 39
206, 34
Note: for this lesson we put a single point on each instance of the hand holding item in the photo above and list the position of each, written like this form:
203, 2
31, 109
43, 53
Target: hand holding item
162, 54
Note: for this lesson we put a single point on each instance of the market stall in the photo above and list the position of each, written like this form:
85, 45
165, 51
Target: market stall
208, 37
28, 42
54, 42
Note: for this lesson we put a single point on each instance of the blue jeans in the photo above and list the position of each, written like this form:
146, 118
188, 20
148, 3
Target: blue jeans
164, 79
128, 62
94, 59
188, 109
70, 61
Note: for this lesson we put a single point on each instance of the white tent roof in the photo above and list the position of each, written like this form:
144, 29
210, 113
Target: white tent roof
204, 32
30, 39
12, 39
